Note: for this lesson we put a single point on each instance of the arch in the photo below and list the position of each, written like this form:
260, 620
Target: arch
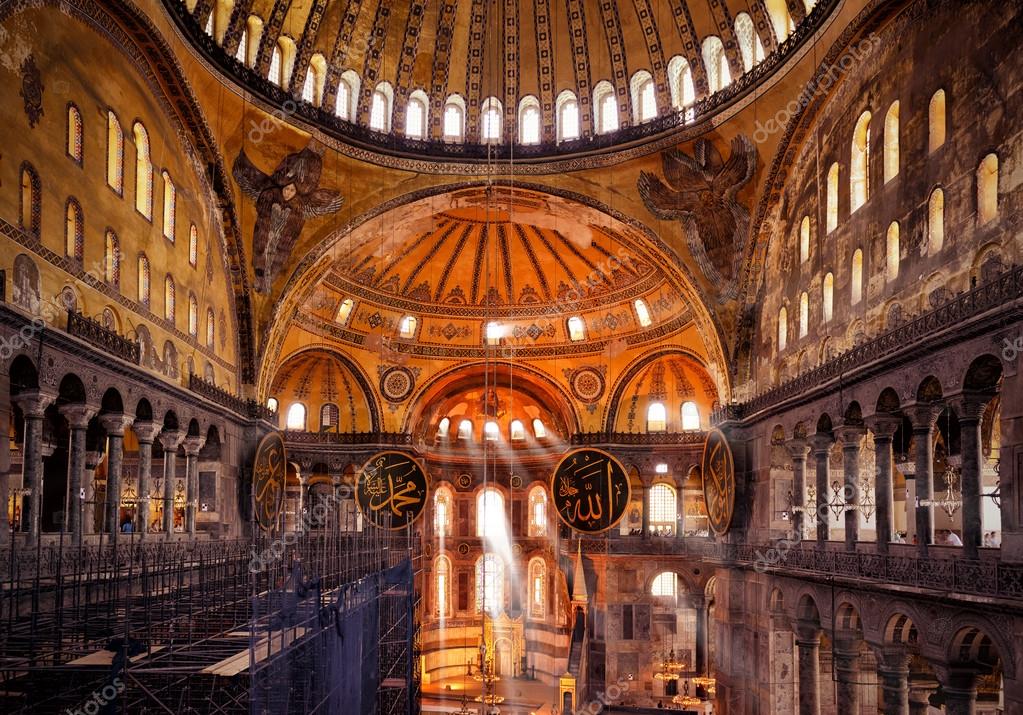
888, 401
442, 586
111, 402
832, 198
537, 588
193, 246
750, 46
529, 120
656, 417
490, 514
715, 63
891, 142
847, 620
169, 298
929, 390
856, 277
170, 207
143, 171
935, 221
143, 283
537, 519
315, 78
828, 297
900, 629
663, 506
804, 239
680, 82
454, 118
380, 107
115, 153
806, 609
443, 512
417, 114
605, 107
296, 417
987, 189
74, 143
859, 165
491, 120
804, 314
348, 88
567, 113
781, 19
893, 252
783, 328
74, 230
30, 206
984, 374
644, 97
936, 121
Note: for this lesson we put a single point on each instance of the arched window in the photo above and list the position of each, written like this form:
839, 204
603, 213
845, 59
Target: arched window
517, 431
115, 154
74, 231
330, 417
781, 20
663, 509
344, 311
987, 189
490, 522
489, 584
606, 105
465, 430
143, 172
347, 90
716, 64
893, 252
111, 259
170, 207
750, 46
529, 120
828, 297
783, 328
169, 297
656, 417
665, 584
804, 314
935, 222
296, 417
74, 133
442, 573
644, 97
567, 108
380, 107
443, 513
891, 142
271, 404
407, 328
143, 279
537, 511
443, 428
193, 315
680, 80
241, 53
537, 588
491, 432
576, 329
539, 430
856, 277
416, 115
454, 119
276, 73
936, 121
859, 169
193, 245
642, 312
211, 328
832, 199
30, 204
804, 239
690, 416
493, 332
490, 116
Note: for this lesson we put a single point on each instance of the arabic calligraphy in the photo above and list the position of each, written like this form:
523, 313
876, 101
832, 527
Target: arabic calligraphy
391, 490
718, 481
268, 474
590, 490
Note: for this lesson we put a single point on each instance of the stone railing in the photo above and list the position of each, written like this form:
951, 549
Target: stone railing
393, 143
696, 437
391, 438
225, 399
96, 334
1007, 287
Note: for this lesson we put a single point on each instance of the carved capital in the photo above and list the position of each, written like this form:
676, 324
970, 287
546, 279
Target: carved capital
850, 435
970, 406
193, 445
78, 414
33, 404
822, 442
883, 425
170, 440
92, 459
797, 447
808, 633
923, 415
114, 424
146, 431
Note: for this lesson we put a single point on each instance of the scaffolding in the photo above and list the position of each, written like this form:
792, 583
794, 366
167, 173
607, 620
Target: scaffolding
240, 626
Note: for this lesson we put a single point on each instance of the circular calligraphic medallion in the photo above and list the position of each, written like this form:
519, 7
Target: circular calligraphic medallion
397, 383
718, 470
268, 473
590, 490
391, 490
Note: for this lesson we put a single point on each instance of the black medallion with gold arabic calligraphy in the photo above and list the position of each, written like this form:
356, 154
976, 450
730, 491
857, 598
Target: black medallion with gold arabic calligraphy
718, 481
391, 490
590, 490
268, 473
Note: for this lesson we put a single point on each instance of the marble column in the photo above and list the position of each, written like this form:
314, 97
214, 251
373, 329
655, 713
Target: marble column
646, 509
192, 447
959, 686
170, 440
808, 643
700, 604
851, 436
798, 448
847, 673
821, 456
923, 417
893, 669
5, 458
970, 409
919, 694
146, 432
77, 416
114, 425
680, 507
883, 427
33, 406
92, 460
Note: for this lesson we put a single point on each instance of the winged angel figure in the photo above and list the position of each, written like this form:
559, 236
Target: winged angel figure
284, 200
700, 192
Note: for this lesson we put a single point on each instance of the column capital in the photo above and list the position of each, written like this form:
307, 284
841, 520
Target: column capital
807, 633
92, 459
970, 406
883, 425
821, 442
797, 447
170, 440
892, 660
193, 444
114, 424
78, 414
146, 431
850, 435
34, 402
923, 415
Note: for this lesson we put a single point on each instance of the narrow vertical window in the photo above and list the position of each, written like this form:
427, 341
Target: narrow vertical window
832, 198
143, 280
415, 118
143, 172
276, 72
115, 154
31, 201
344, 310
690, 416
859, 170
74, 231
169, 296
296, 417
804, 239
828, 297
193, 315
987, 189
529, 130
856, 277
891, 142
242, 53
935, 222
170, 207
74, 133
568, 116
407, 329
517, 431
491, 116
539, 429
343, 100
211, 328
892, 252
936, 121
804, 314
783, 328
576, 329
112, 259
193, 245
642, 312
656, 417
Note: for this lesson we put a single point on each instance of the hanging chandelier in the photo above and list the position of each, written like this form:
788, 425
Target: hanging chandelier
670, 667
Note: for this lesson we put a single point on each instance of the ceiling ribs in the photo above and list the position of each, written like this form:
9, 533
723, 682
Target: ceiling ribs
545, 67
510, 33
271, 33
239, 21
502, 238
441, 61
339, 55
533, 260
579, 254
462, 240
574, 282
726, 31
687, 31
658, 65
613, 260
371, 65
581, 64
477, 262
474, 77
308, 44
414, 273
764, 27
407, 62
402, 255
619, 65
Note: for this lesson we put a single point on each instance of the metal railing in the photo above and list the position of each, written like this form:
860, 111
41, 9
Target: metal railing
97, 334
